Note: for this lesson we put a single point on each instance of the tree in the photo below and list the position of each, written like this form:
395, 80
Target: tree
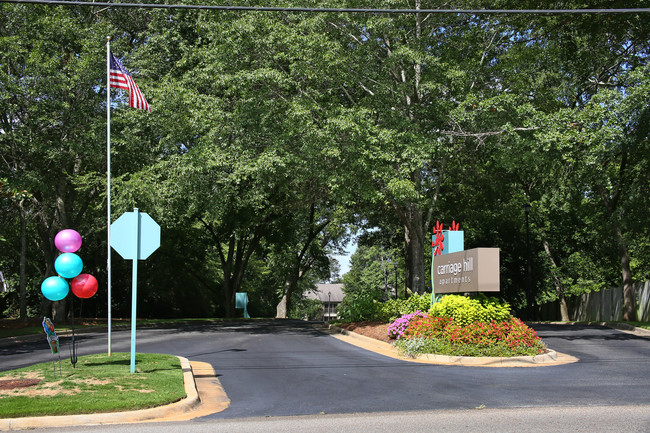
247, 169
368, 281
597, 130
49, 118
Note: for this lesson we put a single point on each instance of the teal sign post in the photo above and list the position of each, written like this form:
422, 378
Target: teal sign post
135, 236
241, 301
444, 242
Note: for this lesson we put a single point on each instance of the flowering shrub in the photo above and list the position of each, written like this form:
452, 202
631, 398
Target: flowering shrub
513, 333
462, 326
443, 335
397, 328
466, 310
427, 326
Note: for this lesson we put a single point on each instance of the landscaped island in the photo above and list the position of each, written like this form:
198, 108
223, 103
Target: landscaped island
457, 326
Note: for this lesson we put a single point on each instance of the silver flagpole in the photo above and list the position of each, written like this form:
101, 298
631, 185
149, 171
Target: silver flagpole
108, 179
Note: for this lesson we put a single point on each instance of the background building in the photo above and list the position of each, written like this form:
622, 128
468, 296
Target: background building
330, 295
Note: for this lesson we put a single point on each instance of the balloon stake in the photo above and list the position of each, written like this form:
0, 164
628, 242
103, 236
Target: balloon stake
73, 346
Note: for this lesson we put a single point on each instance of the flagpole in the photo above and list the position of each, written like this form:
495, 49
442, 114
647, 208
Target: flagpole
108, 180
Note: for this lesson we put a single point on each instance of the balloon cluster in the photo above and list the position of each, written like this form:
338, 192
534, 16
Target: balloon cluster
68, 265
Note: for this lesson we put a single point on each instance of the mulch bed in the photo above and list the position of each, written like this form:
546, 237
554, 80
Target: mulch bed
18, 383
376, 330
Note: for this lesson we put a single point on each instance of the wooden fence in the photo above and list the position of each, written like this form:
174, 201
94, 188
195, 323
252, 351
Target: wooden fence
603, 306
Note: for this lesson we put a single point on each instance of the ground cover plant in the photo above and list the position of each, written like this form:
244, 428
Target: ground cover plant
99, 383
461, 326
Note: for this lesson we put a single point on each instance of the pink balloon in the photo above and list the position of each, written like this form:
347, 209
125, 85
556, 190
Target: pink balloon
67, 241
84, 286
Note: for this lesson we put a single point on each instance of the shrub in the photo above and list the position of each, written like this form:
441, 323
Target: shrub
307, 309
444, 336
466, 310
358, 307
397, 328
393, 308
428, 326
415, 346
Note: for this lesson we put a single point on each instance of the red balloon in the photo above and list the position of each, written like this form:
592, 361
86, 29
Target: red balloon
84, 286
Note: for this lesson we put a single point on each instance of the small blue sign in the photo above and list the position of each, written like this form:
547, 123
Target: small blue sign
454, 241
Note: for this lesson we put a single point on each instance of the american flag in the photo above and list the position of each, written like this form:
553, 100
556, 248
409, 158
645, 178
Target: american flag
121, 79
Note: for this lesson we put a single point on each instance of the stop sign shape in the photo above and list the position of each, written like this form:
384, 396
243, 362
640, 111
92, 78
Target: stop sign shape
135, 235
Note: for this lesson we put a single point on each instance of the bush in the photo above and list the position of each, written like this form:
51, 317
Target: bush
393, 308
466, 310
429, 326
416, 346
397, 328
307, 309
358, 307
444, 336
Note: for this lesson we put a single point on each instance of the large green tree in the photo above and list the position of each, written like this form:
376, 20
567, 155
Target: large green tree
272, 131
51, 134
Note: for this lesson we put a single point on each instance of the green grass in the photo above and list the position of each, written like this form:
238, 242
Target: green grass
30, 330
644, 325
99, 383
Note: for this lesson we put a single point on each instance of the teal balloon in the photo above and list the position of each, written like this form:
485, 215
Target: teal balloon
68, 265
55, 288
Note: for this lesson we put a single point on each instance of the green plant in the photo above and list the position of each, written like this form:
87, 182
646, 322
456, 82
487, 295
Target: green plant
429, 326
358, 307
466, 310
394, 308
443, 335
417, 346
397, 327
310, 309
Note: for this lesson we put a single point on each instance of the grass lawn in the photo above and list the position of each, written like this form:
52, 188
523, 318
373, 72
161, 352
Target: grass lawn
644, 325
99, 383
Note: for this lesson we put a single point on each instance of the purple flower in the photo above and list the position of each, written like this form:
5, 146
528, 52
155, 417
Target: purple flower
397, 328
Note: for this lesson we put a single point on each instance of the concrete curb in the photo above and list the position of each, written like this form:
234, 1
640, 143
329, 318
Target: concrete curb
625, 327
153, 414
547, 359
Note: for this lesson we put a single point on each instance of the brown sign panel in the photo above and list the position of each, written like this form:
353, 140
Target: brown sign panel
475, 270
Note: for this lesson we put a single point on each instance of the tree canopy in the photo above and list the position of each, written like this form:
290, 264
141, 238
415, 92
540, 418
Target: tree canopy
275, 135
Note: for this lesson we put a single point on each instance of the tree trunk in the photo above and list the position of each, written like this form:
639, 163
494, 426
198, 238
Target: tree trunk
629, 308
234, 263
229, 296
301, 263
414, 237
281, 309
23, 261
559, 288
611, 204
284, 307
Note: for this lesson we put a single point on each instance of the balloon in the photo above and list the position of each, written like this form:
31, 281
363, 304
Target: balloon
55, 288
68, 265
67, 241
84, 286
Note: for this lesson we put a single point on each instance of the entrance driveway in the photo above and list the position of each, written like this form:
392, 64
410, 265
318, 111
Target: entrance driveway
275, 368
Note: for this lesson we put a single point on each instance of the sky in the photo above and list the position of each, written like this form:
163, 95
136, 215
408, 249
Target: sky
344, 259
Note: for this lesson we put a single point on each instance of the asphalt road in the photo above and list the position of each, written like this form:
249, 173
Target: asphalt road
623, 419
286, 368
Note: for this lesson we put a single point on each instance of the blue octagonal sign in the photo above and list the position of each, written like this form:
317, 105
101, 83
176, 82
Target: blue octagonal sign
135, 235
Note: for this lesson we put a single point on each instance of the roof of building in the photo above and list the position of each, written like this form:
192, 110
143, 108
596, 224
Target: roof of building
327, 293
